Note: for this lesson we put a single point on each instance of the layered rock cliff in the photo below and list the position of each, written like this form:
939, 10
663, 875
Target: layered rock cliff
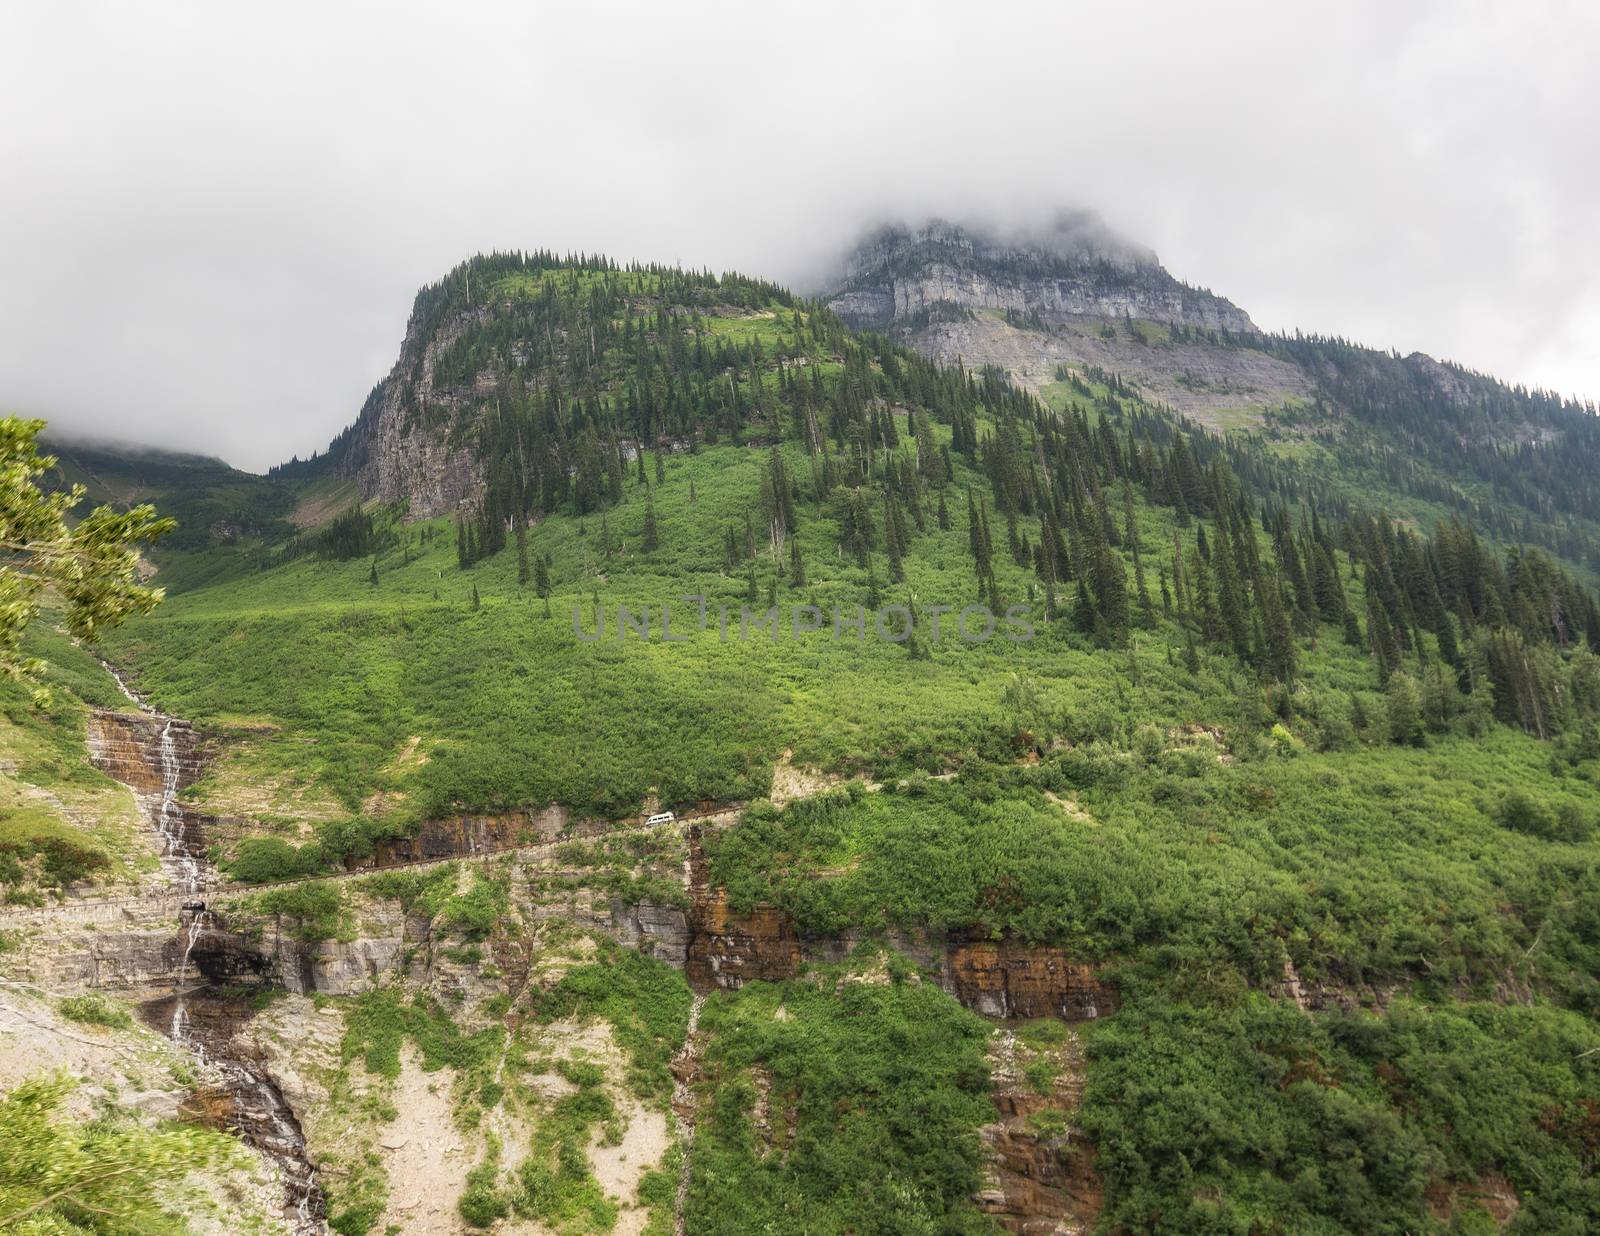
400, 447
1074, 269
1002, 978
1070, 297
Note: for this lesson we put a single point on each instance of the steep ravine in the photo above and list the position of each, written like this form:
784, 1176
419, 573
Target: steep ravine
157, 756
1040, 1175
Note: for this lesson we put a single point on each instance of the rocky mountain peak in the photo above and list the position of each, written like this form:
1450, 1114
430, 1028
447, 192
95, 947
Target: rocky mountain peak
1073, 267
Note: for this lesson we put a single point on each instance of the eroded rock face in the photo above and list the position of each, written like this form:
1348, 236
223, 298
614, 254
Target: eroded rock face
395, 450
1040, 1177
999, 978
123, 956
1077, 269
661, 931
460, 836
126, 746
1007, 979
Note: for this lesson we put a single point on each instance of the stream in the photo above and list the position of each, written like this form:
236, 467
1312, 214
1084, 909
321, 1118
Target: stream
205, 1020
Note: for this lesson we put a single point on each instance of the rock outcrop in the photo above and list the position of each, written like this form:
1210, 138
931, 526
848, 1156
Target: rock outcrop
1039, 1176
1002, 978
126, 746
400, 447
459, 836
1075, 269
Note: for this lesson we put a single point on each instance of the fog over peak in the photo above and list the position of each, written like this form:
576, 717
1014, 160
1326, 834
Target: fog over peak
216, 218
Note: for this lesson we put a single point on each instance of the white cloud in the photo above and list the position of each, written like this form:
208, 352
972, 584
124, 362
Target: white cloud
215, 217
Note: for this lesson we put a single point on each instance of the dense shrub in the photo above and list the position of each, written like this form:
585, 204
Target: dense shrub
888, 1085
261, 860
95, 1010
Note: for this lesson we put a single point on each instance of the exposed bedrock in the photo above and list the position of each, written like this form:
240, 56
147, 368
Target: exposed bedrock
1003, 978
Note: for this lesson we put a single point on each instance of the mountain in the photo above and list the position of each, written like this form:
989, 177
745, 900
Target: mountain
1429, 438
1084, 819
1076, 268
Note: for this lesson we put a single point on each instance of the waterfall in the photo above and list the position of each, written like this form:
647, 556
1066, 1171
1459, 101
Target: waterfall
182, 862
200, 1020
169, 818
685, 1065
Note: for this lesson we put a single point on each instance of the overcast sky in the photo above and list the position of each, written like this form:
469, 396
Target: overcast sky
213, 216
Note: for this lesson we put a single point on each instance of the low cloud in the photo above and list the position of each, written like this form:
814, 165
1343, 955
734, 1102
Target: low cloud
215, 218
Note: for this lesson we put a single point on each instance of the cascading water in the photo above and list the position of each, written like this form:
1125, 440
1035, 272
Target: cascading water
169, 819
204, 1023
183, 864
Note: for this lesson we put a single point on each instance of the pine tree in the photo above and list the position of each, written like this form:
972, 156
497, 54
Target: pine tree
1191, 657
372, 578
541, 581
649, 541
1405, 710
476, 601
1280, 649
1380, 632
1230, 597
797, 566
944, 514
661, 470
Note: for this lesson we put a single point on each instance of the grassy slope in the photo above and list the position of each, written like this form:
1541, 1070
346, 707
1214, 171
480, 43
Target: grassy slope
61, 820
1365, 864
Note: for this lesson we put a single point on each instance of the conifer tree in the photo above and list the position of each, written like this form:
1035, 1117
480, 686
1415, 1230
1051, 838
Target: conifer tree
650, 541
1380, 633
1280, 648
1405, 710
1191, 657
541, 581
1230, 596
797, 566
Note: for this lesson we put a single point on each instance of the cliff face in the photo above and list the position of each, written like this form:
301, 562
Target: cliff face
999, 978
126, 746
1039, 1177
1074, 297
454, 837
400, 446
1073, 270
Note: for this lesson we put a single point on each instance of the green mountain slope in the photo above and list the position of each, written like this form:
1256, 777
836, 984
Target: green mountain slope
1423, 439
1312, 789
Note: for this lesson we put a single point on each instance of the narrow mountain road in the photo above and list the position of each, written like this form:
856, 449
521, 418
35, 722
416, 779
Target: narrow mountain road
167, 898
